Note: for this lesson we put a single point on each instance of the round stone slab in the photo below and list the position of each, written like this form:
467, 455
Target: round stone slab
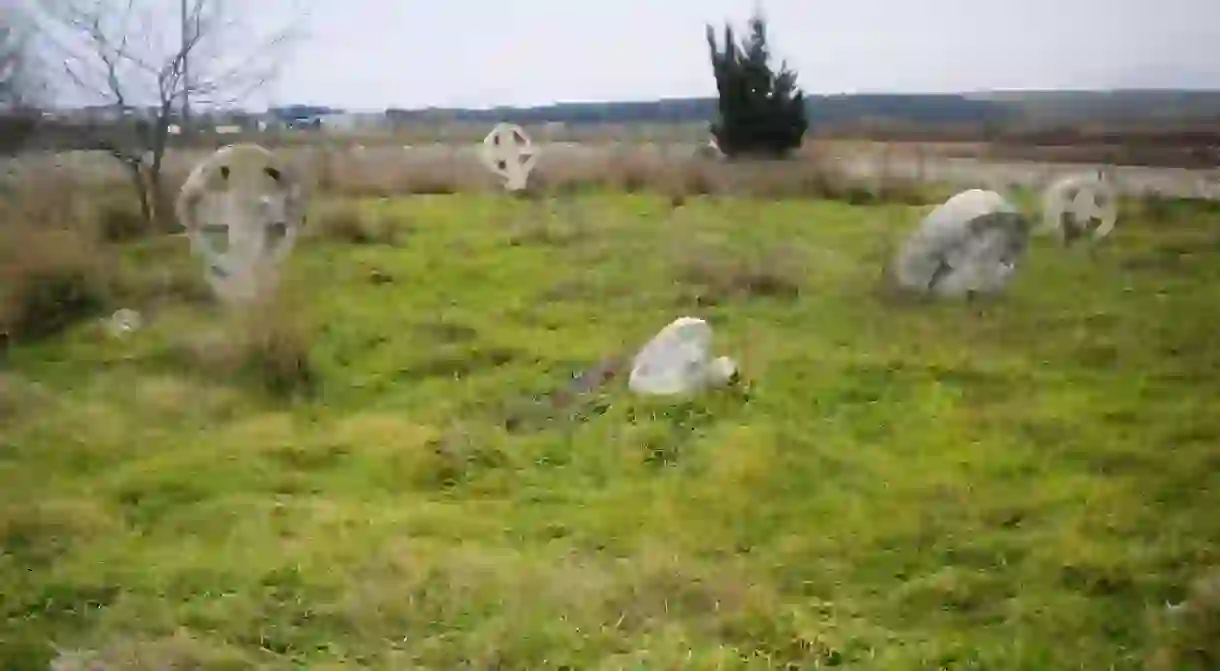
1073, 203
243, 210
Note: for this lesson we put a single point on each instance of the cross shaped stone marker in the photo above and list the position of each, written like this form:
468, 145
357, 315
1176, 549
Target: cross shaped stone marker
509, 153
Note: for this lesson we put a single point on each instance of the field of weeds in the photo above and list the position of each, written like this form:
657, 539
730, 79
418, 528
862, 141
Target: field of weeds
375, 469
837, 169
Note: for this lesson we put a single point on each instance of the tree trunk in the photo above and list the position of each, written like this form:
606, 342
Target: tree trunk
160, 140
137, 180
162, 206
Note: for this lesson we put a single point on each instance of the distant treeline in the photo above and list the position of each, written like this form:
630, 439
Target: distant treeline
992, 110
1147, 120
823, 110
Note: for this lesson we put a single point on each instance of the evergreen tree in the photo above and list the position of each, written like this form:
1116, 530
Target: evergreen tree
760, 111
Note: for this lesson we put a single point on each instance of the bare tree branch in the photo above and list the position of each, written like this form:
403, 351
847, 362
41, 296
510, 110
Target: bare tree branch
131, 56
18, 79
21, 80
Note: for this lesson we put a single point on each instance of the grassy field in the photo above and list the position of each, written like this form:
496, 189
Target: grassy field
363, 478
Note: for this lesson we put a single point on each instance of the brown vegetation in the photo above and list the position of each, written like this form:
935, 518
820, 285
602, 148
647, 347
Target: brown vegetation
51, 272
49, 278
387, 171
59, 268
266, 346
710, 276
379, 173
1190, 633
347, 221
1184, 144
1176, 144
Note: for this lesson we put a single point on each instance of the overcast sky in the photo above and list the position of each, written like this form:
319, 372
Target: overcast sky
476, 53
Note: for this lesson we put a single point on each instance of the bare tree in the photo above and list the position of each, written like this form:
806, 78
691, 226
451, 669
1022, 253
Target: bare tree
19, 84
131, 56
10, 56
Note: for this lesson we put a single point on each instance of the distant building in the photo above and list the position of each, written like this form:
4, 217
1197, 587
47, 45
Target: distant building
349, 122
341, 122
294, 117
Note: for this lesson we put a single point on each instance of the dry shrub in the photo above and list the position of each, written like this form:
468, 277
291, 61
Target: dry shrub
348, 222
344, 222
184, 283
326, 173
49, 279
792, 178
266, 344
712, 276
1189, 639
389, 171
155, 282
636, 173
432, 184
698, 178
545, 231
649, 592
401, 182
17, 394
535, 190
181, 650
106, 208
814, 176
273, 348
380, 173
119, 221
46, 198
902, 191
440, 178
571, 178
383, 172
459, 455
1156, 207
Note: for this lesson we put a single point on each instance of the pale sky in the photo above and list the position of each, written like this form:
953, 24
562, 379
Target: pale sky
370, 54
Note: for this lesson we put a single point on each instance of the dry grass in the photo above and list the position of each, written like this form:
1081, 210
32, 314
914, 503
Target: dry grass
175, 277
1190, 632
350, 222
267, 345
118, 219
388, 171
107, 209
49, 279
65, 224
180, 650
712, 275
340, 171
864, 502
59, 266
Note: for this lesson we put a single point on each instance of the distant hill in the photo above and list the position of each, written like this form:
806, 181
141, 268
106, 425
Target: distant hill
987, 108
1118, 105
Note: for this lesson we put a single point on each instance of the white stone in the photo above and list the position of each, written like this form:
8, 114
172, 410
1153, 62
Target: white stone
969, 244
678, 361
123, 322
710, 150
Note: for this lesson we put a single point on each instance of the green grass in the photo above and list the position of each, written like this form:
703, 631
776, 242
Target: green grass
1014, 484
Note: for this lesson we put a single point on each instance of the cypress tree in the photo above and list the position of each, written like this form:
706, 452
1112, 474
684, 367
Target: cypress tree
761, 112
